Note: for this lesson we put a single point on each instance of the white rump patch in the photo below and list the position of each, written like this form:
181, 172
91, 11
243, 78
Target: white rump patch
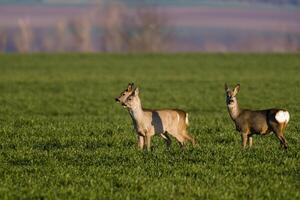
282, 116
187, 119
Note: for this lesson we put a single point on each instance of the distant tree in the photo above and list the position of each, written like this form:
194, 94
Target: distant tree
114, 38
150, 31
135, 30
81, 29
24, 37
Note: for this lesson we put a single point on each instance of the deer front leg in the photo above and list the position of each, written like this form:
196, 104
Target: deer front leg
244, 139
141, 142
250, 139
148, 142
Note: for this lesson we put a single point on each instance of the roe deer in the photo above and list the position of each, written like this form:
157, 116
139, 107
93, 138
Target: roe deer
150, 122
249, 122
123, 96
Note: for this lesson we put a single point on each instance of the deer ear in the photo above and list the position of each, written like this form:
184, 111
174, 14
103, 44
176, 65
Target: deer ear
130, 86
236, 89
226, 87
136, 91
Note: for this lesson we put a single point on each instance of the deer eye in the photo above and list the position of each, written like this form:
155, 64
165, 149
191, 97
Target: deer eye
123, 94
130, 99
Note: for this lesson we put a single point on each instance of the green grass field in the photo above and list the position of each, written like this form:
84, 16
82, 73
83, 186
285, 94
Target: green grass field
64, 137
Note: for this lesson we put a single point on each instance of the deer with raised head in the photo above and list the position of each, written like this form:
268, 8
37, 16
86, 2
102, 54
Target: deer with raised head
249, 122
163, 122
123, 96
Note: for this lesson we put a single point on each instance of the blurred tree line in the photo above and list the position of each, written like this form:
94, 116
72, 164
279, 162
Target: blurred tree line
115, 27
109, 27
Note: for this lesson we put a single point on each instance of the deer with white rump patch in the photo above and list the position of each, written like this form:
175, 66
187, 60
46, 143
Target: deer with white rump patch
163, 122
249, 122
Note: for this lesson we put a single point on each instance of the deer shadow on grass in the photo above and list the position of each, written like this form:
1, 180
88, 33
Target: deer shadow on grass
157, 123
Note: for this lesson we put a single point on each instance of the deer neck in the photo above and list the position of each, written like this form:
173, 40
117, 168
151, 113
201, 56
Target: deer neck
137, 113
234, 110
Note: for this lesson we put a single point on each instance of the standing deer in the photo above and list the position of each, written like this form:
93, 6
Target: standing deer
148, 122
249, 122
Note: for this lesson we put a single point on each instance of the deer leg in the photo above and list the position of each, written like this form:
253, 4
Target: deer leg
141, 142
189, 138
167, 139
285, 145
283, 138
180, 139
250, 140
279, 134
148, 142
244, 139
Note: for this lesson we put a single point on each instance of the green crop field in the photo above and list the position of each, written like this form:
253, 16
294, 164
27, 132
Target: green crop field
64, 137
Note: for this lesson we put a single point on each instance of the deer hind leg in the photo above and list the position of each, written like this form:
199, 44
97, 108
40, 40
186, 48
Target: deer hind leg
285, 145
180, 139
167, 139
189, 138
283, 129
279, 133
